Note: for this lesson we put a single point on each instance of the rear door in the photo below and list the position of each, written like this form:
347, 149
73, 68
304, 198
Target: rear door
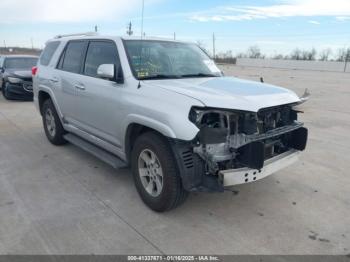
68, 75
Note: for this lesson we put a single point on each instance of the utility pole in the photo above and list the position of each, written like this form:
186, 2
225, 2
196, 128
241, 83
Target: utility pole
174, 36
5, 43
96, 29
213, 46
31, 41
129, 31
346, 59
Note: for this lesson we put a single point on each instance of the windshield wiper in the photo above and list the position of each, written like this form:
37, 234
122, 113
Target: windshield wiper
199, 75
159, 76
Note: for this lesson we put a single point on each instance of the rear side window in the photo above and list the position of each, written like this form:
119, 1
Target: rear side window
100, 52
48, 52
73, 57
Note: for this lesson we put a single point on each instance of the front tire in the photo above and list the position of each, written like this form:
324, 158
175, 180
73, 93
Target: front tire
52, 124
155, 173
5, 91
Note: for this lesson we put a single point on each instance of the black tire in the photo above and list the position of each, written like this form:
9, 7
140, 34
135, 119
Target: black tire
5, 91
56, 137
172, 193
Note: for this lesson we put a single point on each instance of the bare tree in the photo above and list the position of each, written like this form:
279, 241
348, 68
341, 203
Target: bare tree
225, 57
309, 55
325, 53
343, 54
312, 54
296, 54
278, 57
254, 52
241, 55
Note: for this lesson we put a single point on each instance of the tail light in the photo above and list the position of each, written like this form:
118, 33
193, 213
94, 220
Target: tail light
34, 70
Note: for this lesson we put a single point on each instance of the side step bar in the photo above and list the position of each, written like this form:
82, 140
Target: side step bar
98, 152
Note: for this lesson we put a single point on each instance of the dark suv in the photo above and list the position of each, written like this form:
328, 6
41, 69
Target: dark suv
16, 76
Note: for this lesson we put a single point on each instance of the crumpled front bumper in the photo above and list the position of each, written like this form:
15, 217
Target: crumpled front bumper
245, 175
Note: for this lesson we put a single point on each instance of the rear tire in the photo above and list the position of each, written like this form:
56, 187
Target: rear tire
157, 179
52, 124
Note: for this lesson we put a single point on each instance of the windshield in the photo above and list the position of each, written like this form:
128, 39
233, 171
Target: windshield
165, 59
20, 62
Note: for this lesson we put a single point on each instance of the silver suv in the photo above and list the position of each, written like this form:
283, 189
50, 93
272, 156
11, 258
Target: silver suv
165, 109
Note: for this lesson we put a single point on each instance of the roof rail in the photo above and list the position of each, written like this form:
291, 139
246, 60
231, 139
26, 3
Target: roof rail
77, 34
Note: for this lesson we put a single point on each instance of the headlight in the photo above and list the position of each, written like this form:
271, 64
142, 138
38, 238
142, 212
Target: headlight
236, 121
209, 116
14, 80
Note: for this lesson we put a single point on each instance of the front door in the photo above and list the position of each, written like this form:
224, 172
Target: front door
99, 100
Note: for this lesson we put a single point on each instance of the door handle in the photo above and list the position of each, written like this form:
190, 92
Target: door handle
54, 80
79, 86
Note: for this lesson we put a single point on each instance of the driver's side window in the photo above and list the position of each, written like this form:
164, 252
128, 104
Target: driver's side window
100, 52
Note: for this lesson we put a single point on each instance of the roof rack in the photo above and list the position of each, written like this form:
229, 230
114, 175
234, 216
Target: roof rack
77, 34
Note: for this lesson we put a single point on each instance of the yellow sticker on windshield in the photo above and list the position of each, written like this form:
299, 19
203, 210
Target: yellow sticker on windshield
142, 73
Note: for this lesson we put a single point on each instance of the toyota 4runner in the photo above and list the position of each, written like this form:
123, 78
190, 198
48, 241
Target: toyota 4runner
165, 109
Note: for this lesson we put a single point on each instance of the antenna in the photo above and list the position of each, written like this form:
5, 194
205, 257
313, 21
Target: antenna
143, 8
214, 46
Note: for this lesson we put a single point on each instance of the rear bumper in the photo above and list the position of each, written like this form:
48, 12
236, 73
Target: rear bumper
245, 175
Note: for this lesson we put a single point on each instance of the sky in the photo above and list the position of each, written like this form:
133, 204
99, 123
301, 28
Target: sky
276, 26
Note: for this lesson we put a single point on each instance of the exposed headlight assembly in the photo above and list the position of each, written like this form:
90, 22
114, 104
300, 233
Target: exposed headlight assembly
216, 125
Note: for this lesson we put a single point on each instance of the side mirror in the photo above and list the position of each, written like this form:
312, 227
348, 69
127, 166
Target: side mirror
106, 71
111, 72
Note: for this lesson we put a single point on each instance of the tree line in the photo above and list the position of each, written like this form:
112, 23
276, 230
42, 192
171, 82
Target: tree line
340, 55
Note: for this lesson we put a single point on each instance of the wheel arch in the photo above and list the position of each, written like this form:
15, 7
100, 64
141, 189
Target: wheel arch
42, 97
134, 130
44, 94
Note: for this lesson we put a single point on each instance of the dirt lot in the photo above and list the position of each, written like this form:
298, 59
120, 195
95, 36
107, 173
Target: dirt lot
61, 200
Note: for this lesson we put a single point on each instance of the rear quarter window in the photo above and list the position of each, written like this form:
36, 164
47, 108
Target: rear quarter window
48, 52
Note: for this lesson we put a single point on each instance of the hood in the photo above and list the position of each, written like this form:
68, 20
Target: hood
19, 73
229, 92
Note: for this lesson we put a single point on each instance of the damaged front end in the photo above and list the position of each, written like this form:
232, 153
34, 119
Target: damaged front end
234, 147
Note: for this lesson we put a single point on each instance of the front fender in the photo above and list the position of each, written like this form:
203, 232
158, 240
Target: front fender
148, 122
